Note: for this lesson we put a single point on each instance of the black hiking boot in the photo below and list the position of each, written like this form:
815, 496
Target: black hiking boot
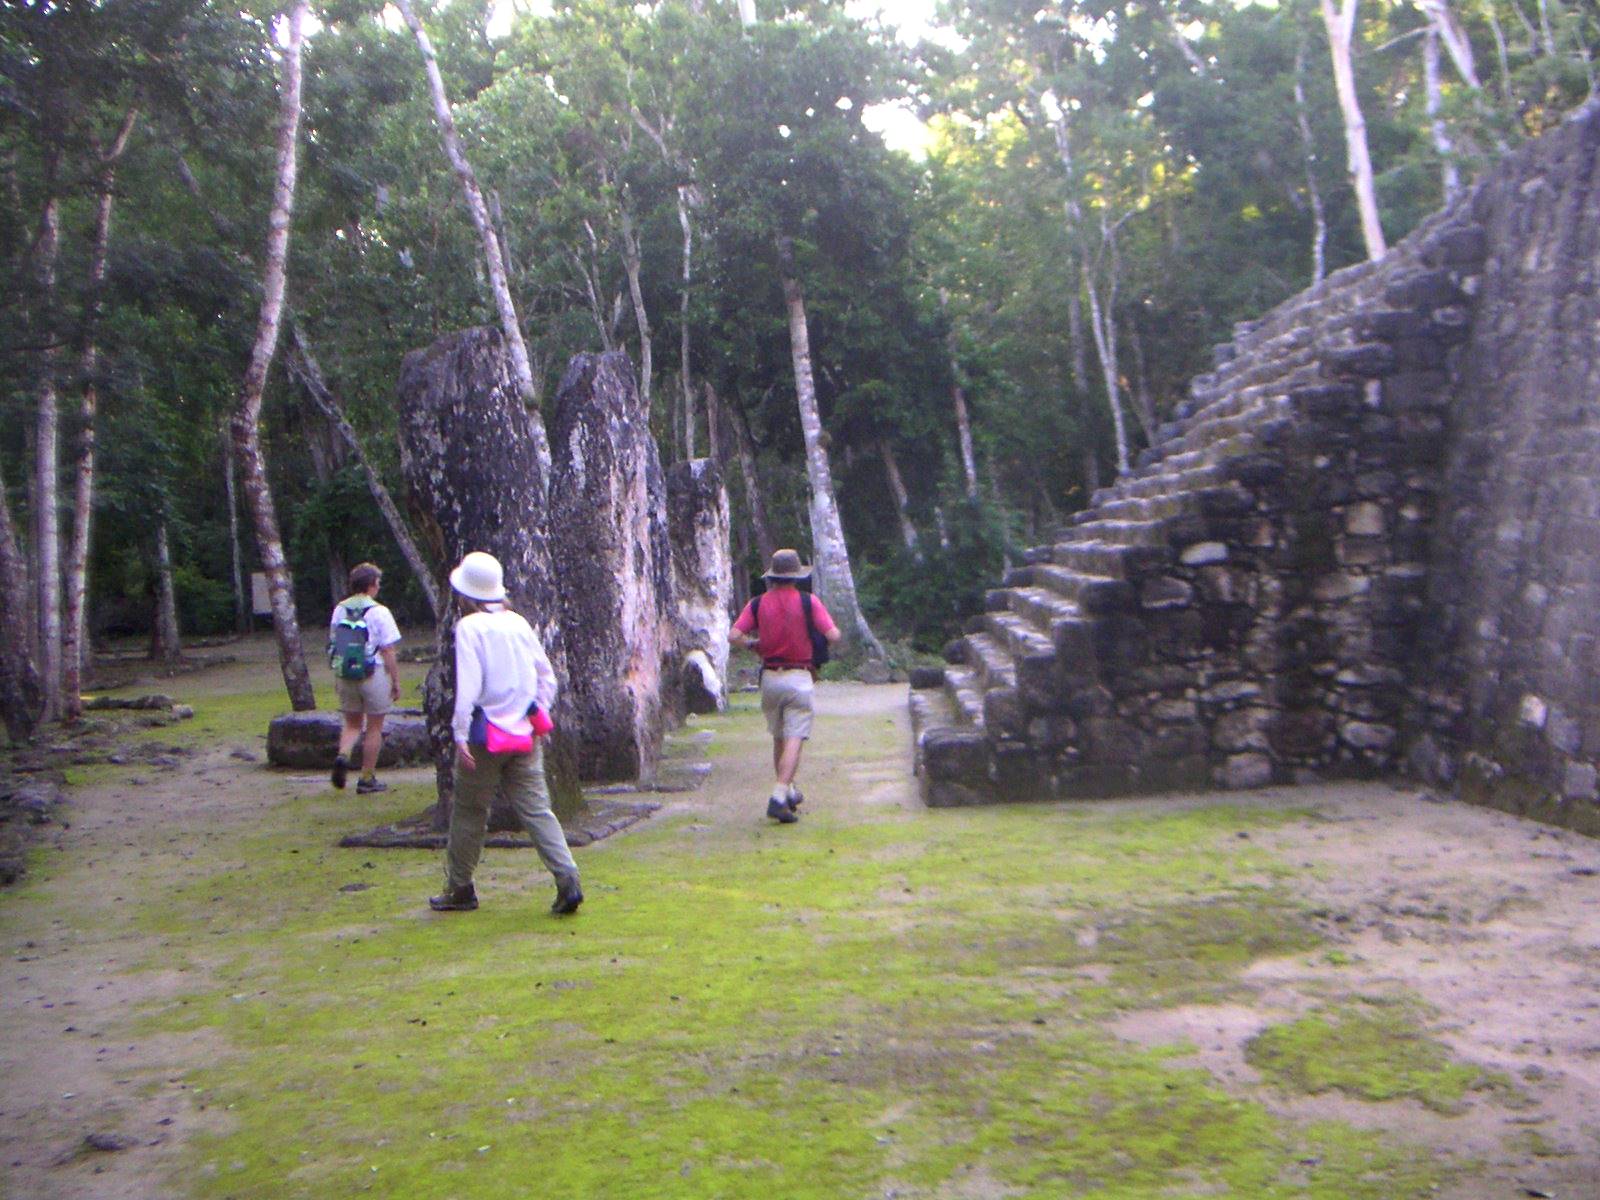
365, 787
568, 896
780, 811
461, 899
795, 799
341, 771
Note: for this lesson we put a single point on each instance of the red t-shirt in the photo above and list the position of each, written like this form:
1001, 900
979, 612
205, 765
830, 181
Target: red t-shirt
783, 625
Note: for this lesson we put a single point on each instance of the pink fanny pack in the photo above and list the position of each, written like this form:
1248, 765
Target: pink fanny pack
520, 737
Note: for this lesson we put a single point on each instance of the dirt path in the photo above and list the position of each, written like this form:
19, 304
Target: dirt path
1492, 921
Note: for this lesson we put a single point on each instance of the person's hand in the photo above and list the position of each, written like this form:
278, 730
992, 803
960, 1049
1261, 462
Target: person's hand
464, 757
394, 691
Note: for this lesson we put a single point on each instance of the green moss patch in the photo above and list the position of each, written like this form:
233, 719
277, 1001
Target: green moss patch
1377, 1050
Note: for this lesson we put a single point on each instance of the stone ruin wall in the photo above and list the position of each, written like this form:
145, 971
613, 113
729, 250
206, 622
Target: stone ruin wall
1364, 542
1506, 692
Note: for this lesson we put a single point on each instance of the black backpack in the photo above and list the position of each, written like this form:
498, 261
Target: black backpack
819, 644
347, 647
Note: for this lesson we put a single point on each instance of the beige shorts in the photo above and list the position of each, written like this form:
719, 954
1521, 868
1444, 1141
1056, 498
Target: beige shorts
786, 701
369, 695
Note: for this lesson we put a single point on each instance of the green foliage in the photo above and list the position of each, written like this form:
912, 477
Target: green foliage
927, 597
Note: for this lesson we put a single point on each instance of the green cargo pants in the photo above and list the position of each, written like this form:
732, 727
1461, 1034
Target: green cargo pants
519, 778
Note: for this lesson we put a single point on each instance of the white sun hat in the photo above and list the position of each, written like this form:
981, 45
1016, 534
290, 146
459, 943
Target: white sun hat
479, 577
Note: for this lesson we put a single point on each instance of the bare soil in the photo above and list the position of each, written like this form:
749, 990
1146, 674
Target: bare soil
1492, 920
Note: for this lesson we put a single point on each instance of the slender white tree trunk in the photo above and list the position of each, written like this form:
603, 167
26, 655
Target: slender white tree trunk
247, 416
1450, 175
493, 256
73, 641
241, 600
902, 500
165, 645
835, 581
632, 258
20, 686
1340, 18
303, 364
1308, 146
47, 466
683, 324
958, 401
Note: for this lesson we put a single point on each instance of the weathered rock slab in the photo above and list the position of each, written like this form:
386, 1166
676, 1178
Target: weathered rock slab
311, 739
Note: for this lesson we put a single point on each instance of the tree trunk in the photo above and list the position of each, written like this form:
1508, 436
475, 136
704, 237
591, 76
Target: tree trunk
1308, 145
242, 615
164, 642
247, 417
73, 622
958, 401
493, 255
304, 366
1144, 404
21, 691
902, 500
631, 261
1449, 173
1341, 24
683, 327
755, 498
1103, 326
835, 581
46, 466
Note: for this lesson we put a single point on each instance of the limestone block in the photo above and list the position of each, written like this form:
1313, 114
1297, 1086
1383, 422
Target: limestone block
1231, 692
1203, 552
927, 677
1241, 729
1578, 781
1533, 712
1303, 734
311, 739
1243, 771
609, 531
1177, 709
1339, 585
1362, 735
1364, 520
1367, 360
702, 562
1562, 732
1165, 592
703, 689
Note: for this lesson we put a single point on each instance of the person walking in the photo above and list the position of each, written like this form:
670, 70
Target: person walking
778, 625
362, 635
505, 690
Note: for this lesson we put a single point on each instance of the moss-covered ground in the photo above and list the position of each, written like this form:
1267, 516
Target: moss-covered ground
881, 1001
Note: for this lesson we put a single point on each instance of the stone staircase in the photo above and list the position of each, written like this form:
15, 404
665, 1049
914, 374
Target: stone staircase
1228, 612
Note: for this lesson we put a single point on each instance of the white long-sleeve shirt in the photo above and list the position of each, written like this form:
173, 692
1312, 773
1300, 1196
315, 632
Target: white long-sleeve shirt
502, 668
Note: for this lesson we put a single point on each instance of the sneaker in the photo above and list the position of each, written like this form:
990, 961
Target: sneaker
795, 799
568, 896
780, 811
341, 771
365, 787
461, 899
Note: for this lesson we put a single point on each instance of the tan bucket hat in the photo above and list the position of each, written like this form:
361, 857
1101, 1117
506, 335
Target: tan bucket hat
786, 565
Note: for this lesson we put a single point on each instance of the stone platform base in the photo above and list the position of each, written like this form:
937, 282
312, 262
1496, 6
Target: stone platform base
604, 817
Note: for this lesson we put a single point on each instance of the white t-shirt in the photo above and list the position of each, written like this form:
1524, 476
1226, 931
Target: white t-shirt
381, 627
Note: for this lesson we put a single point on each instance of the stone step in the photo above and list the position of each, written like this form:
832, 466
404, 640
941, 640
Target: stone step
964, 688
1114, 560
989, 658
1020, 638
1042, 606
1166, 482
930, 709
1112, 532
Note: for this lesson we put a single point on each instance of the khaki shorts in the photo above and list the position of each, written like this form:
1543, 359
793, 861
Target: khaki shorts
786, 702
369, 695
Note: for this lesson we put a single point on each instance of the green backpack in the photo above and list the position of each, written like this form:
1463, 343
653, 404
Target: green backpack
347, 648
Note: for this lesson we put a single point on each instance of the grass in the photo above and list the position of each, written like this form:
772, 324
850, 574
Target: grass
893, 1002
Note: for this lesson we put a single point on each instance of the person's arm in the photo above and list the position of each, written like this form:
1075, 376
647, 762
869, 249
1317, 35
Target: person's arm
743, 634
823, 620
545, 684
391, 664
469, 680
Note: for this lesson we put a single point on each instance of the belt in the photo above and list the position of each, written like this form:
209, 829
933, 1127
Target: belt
785, 666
